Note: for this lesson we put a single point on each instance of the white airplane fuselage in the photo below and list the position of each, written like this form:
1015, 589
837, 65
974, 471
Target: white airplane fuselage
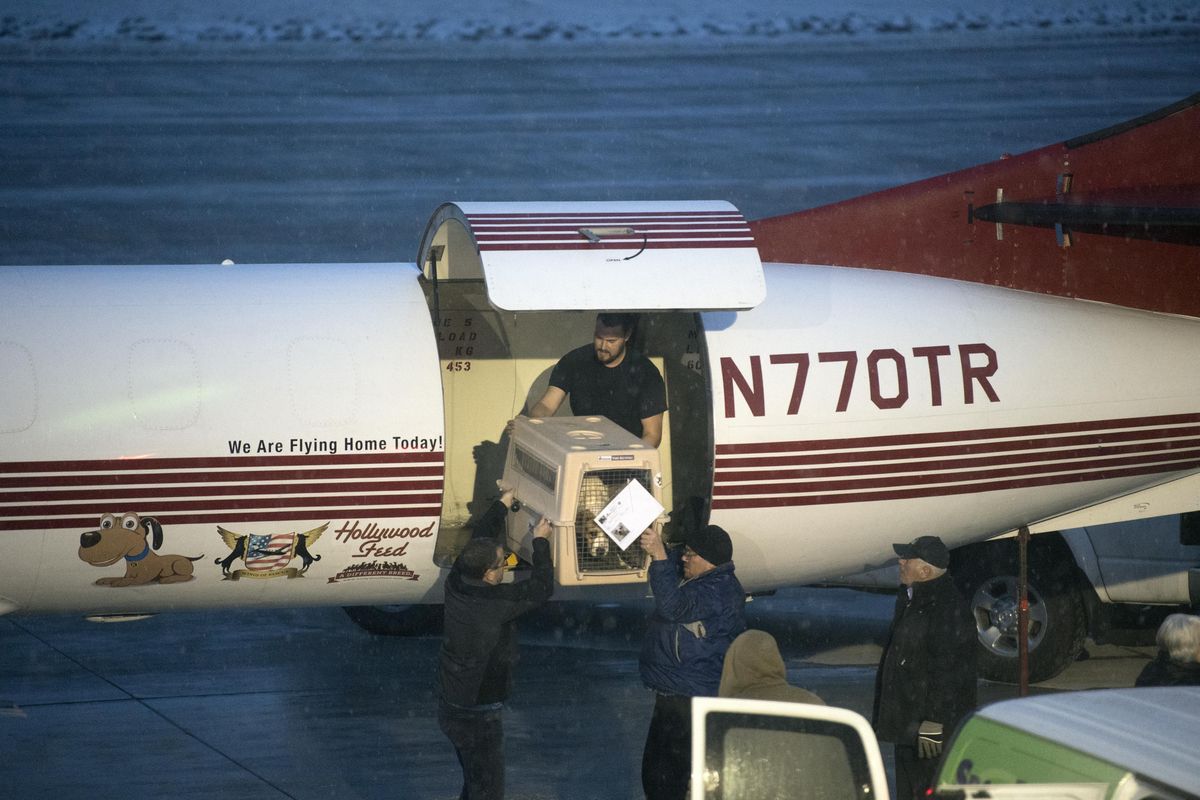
331, 420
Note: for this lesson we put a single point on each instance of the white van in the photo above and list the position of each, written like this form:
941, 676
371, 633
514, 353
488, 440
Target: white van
1109, 744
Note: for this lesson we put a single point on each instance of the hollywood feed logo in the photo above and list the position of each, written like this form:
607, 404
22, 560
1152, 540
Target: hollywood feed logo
377, 542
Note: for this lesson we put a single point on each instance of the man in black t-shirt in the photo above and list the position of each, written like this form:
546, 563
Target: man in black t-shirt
607, 378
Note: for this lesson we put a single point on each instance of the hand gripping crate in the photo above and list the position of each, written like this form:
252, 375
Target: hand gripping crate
568, 469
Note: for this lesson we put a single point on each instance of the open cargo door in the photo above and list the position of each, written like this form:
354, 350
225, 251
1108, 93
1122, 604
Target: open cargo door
602, 256
514, 286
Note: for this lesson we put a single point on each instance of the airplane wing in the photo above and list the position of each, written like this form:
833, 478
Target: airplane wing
1180, 496
1113, 216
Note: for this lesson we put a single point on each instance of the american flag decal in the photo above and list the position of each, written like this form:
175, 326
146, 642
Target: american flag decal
272, 551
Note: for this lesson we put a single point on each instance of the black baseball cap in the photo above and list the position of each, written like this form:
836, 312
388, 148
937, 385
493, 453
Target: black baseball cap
929, 549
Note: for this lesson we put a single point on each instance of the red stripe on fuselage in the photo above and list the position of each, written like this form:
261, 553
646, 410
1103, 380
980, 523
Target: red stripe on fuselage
231, 504
572, 229
870, 469
901, 440
224, 490
936, 491
227, 519
217, 462
134, 478
234, 490
1016, 446
1176, 448
1184, 460
627, 244
604, 216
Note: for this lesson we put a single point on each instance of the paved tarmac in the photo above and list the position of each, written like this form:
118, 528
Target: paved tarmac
302, 704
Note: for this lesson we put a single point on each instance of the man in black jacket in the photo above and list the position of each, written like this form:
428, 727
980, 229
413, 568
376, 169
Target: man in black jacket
926, 678
479, 647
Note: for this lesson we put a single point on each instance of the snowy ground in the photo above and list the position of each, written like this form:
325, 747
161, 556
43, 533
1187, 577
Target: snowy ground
155, 23
328, 152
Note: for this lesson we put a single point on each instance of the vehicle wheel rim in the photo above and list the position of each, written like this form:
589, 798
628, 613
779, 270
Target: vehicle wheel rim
994, 606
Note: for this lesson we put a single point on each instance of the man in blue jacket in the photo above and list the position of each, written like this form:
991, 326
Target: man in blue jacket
698, 611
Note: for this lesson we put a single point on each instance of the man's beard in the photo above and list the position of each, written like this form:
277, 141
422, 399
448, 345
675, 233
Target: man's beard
607, 358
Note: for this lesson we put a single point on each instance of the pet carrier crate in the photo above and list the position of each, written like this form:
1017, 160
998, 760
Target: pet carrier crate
568, 469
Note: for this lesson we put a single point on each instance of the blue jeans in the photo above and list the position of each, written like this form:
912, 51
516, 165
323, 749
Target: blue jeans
478, 739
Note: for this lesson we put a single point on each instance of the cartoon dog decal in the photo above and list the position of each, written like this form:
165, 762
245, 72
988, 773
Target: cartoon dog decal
125, 536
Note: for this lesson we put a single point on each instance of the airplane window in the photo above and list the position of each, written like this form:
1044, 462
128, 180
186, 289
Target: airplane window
18, 390
324, 380
163, 384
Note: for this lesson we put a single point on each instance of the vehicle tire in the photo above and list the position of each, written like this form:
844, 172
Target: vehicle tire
397, 620
987, 576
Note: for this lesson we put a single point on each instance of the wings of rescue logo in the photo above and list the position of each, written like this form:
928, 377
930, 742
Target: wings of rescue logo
268, 555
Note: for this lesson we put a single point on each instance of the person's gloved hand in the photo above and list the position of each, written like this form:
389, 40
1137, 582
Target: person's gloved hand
929, 739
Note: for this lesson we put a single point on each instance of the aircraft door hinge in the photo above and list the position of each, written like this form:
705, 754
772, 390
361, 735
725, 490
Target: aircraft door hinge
999, 225
1062, 186
435, 253
1062, 235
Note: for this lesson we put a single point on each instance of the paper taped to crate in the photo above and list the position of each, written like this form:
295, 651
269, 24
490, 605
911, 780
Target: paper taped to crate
628, 515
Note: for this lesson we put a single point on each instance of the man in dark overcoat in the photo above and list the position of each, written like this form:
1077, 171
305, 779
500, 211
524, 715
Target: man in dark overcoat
926, 678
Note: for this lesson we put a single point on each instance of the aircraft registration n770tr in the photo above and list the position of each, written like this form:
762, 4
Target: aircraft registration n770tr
1008, 345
